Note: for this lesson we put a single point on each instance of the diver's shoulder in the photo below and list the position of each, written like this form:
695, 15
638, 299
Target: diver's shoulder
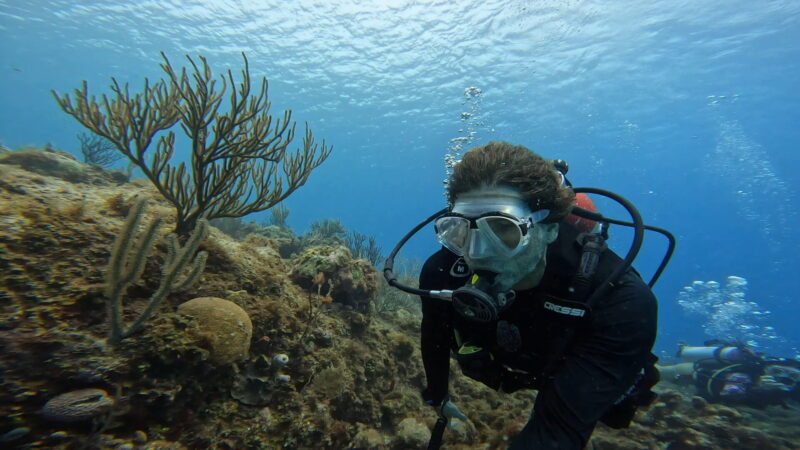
442, 268
630, 287
440, 259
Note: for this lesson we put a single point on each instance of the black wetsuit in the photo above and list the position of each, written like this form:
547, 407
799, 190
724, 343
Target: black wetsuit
604, 357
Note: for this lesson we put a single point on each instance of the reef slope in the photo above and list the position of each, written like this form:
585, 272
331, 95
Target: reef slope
319, 368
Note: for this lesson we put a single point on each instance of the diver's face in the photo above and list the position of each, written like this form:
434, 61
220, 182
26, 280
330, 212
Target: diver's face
500, 234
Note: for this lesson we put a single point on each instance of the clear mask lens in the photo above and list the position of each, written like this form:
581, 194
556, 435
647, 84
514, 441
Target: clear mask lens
452, 232
507, 231
489, 232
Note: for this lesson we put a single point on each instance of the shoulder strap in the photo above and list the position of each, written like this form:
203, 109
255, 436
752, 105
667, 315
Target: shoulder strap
577, 263
583, 280
592, 247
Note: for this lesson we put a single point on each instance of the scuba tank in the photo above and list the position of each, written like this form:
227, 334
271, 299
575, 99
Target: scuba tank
726, 354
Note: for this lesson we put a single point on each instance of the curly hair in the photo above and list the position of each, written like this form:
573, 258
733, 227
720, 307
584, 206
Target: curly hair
503, 164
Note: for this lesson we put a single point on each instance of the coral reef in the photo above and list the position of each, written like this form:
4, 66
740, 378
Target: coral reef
62, 165
98, 150
330, 377
349, 281
680, 420
363, 246
278, 215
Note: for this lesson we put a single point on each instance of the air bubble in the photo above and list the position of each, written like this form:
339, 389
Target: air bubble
726, 313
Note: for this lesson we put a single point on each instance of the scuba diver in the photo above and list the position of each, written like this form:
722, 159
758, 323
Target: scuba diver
732, 374
526, 295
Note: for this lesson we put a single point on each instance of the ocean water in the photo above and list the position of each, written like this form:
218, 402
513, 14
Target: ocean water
688, 109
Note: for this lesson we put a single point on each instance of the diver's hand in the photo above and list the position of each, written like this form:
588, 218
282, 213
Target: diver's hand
450, 411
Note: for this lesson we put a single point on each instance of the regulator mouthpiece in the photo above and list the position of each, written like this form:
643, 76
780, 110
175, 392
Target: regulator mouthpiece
478, 300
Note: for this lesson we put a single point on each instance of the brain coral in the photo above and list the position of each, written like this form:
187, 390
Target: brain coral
224, 329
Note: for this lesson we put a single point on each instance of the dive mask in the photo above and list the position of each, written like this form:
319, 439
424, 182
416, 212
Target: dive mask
492, 228
784, 374
492, 222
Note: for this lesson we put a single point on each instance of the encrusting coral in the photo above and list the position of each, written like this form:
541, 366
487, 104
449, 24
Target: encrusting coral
351, 381
349, 281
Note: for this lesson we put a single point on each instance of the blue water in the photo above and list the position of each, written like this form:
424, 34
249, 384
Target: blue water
689, 109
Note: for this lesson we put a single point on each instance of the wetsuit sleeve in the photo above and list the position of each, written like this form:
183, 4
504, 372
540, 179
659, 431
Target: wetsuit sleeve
599, 368
436, 332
